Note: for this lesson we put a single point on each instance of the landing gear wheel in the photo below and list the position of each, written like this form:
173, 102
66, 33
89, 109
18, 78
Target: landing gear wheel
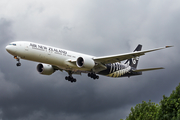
89, 74
93, 75
70, 78
18, 64
74, 80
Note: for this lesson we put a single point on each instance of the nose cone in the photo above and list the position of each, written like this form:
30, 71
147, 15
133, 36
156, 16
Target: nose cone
10, 49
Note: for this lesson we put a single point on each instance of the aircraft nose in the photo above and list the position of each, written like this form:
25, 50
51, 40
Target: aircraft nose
10, 49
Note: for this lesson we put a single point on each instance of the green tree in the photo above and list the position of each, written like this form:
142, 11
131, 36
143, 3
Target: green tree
144, 111
167, 109
170, 106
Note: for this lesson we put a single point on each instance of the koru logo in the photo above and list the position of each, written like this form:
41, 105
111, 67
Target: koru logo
135, 59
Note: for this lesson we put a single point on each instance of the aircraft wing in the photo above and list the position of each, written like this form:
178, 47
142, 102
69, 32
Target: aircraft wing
121, 57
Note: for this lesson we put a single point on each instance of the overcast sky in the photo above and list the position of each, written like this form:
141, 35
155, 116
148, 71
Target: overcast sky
98, 28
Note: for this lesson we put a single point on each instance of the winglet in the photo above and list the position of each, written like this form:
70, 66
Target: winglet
169, 46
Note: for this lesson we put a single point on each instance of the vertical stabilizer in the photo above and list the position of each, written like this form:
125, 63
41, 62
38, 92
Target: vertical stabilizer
133, 62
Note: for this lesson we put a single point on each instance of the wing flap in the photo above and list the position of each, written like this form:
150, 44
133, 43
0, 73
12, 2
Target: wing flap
57, 68
116, 58
148, 69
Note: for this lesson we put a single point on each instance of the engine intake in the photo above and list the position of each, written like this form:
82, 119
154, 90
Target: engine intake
45, 69
87, 63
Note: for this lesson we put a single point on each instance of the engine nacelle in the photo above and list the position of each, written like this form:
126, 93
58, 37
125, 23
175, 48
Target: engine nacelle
87, 63
45, 69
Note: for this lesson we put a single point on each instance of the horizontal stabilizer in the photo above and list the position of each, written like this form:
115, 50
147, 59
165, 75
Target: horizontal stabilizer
141, 70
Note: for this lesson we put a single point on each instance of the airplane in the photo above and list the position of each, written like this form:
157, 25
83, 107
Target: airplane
52, 59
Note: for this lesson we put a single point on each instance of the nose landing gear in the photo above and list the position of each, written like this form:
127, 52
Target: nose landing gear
18, 59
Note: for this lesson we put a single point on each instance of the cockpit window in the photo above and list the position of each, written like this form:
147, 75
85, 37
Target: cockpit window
12, 44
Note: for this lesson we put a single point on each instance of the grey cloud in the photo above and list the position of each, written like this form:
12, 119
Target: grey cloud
7, 89
97, 28
6, 33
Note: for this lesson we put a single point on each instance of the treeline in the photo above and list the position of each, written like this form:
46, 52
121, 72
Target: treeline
167, 109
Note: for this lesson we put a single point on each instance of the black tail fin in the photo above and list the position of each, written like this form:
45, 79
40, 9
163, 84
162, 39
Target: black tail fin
133, 62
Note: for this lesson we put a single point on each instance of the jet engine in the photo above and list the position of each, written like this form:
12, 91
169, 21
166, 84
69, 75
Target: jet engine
87, 63
45, 69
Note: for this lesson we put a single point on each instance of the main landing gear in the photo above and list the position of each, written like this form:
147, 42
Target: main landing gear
18, 59
70, 78
93, 75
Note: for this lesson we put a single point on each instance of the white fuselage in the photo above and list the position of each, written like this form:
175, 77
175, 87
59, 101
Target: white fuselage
46, 54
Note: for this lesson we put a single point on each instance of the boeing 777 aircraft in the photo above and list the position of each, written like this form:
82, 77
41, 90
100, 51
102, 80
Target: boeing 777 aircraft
52, 59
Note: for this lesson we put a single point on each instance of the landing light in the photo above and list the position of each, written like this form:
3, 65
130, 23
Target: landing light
15, 57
